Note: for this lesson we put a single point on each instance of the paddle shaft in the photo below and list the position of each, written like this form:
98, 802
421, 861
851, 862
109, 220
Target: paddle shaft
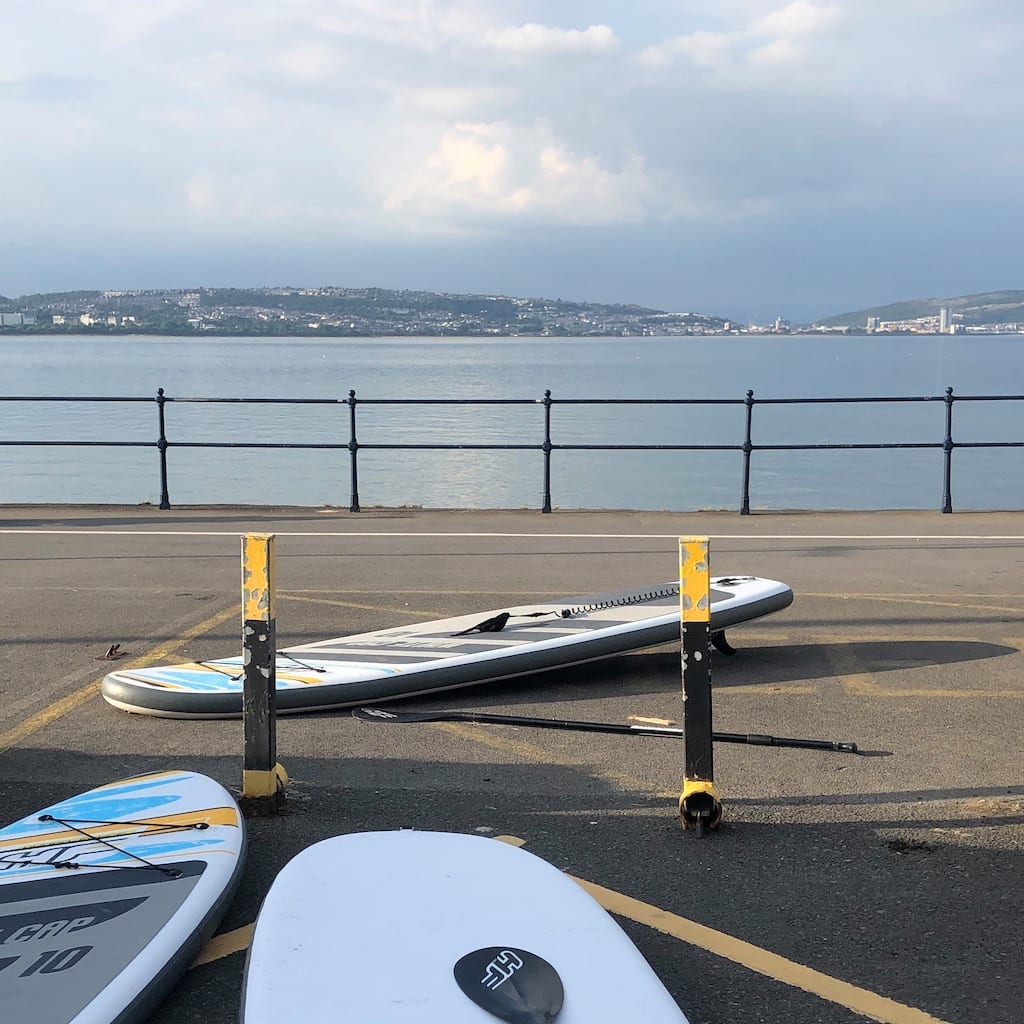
485, 718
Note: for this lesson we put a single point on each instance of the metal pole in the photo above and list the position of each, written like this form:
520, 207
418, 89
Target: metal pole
699, 806
353, 447
161, 446
546, 447
947, 455
748, 447
263, 779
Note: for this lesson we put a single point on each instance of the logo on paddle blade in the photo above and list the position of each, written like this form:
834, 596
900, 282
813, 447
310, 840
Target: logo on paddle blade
503, 966
513, 984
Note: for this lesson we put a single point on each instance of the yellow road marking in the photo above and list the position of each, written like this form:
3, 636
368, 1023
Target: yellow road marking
61, 707
863, 684
225, 944
285, 596
754, 958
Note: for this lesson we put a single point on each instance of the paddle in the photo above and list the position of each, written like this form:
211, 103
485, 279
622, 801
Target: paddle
514, 984
484, 718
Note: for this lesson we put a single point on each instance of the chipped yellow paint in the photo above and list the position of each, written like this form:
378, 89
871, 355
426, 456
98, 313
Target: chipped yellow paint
694, 579
258, 577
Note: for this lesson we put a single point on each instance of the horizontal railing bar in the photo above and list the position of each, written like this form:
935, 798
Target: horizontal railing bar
81, 444
78, 398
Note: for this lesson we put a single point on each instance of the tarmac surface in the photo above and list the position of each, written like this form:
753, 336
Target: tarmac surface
838, 888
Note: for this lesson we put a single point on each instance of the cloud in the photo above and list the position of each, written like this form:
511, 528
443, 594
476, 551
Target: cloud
799, 18
745, 42
530, 39
489, 173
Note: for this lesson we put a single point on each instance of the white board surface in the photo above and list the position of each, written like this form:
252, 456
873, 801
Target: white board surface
427, 657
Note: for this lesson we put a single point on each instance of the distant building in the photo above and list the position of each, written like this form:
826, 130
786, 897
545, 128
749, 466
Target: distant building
872, 324
944, 321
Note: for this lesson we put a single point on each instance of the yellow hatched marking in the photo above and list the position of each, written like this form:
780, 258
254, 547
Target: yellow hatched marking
754, 958
66, 704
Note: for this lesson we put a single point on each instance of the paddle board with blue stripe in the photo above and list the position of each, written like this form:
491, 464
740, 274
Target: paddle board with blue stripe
108, 896
426, 657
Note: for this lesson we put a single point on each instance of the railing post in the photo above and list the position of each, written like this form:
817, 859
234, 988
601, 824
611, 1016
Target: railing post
353, 448
947, 454
546, 447
161, 446
748, 447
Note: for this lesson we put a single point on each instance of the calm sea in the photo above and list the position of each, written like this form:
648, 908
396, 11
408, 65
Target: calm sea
514, 368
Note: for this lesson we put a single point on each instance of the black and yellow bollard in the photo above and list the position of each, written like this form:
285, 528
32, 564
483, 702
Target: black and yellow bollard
699, 806
263, 779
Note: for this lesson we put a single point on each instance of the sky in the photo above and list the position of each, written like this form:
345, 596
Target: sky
742, 158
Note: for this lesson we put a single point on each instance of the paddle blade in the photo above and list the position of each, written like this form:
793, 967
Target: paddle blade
513, 984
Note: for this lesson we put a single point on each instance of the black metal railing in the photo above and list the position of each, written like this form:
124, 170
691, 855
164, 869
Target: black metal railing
354, 446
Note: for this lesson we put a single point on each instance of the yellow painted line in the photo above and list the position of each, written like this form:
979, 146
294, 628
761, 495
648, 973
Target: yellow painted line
864, 684
59, 708
225, 944
531, 752
286, 596
762, 961
912, 599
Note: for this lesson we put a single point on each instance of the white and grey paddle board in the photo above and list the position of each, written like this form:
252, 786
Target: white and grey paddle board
411, 927
107, 897
408, 661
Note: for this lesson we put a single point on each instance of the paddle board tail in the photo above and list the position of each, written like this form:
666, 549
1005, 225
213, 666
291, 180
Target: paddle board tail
410, 927
108, 896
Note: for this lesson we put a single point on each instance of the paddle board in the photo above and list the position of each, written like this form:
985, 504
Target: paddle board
414, 927
408, 661
107, 897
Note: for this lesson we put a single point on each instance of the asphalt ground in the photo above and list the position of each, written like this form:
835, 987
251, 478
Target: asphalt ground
838, 888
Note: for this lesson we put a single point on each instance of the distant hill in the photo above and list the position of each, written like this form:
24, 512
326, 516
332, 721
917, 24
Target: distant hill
344, 312
973, 310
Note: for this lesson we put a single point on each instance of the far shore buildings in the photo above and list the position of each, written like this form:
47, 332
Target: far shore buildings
940, 323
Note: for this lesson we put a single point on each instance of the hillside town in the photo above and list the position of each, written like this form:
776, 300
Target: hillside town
379, 312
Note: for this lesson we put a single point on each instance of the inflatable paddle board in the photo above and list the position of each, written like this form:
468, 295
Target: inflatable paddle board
408, 927
408, 661
107, 897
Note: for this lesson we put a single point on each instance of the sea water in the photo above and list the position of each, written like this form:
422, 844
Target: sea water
512, 375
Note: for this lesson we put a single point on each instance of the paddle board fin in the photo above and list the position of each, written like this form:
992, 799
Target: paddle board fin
513, 984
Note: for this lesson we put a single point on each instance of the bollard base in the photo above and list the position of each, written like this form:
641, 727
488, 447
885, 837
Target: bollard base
263, 792
699, 807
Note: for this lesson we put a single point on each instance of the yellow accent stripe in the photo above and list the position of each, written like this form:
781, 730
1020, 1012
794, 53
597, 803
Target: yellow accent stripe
162, 652
210, 815
694, 579
859, 1000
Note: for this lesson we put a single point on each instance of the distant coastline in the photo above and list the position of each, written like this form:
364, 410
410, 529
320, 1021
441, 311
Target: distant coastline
378, 312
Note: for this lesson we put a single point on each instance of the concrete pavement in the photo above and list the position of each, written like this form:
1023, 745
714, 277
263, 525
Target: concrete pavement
838, 888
